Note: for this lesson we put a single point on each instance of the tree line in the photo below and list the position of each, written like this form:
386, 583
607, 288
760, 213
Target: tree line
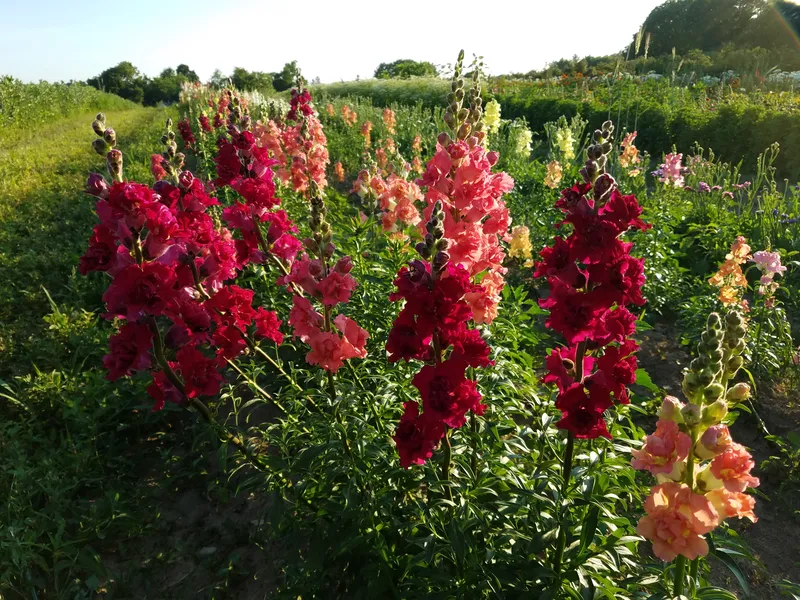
127, 81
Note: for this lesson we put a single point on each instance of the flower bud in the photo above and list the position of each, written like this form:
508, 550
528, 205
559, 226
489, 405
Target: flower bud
185, 179
110, 136
715, 440
445, 140
440, 260
714, 413
733, 319
463, 131
100, 146
705, 377
713, 322
344, 265
98, 127
691, 414
734, 364
713, 392
738, 393
670, 410
603, 186
97, 186
114, 163
608, 127
423, 250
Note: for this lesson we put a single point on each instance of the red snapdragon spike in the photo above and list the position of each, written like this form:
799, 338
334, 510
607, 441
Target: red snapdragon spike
185, 129
417, 436
592, 278
170, 262
129, 350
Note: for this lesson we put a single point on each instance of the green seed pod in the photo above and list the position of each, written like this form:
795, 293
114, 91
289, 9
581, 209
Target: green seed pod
716, 356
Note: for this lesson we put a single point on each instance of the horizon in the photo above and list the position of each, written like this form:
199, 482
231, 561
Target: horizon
92, 42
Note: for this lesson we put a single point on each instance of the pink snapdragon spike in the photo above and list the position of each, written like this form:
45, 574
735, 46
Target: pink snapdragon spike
672, 171
676, 520
170, 265
333, 338
476, 218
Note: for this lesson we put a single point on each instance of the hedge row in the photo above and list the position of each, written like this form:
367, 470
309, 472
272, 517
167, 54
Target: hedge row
737, 131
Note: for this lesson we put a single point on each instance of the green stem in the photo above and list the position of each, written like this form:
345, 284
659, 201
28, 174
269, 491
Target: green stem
448, 452
693, 569
473, 427
566, 472
680, 575
196, 403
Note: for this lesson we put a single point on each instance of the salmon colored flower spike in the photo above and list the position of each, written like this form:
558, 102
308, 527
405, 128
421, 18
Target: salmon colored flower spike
676, 520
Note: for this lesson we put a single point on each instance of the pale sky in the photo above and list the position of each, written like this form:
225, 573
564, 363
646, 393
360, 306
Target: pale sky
334, 40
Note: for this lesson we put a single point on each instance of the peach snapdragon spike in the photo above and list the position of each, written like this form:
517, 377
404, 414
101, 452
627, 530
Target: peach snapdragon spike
730, 278
702, 473
298, 144
475, 216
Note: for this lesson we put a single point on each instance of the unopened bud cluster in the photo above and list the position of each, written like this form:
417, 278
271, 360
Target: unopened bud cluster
464, 118
238, 118
320, 242
434, 245
105, 144
705, 382
172, 159
597, 153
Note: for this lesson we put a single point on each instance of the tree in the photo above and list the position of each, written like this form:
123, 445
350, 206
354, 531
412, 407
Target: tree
248, 81
776, 28
123, 80
703, 24
287, 77
185, 71
218, 79
405, 68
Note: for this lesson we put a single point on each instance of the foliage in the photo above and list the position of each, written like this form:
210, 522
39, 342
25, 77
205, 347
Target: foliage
702, 24
404, 69
285, 79
26, 106
126, 81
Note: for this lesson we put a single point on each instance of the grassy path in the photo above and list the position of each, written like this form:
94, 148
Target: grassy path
46, 220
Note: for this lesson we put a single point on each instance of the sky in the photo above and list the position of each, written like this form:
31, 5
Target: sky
333, 40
